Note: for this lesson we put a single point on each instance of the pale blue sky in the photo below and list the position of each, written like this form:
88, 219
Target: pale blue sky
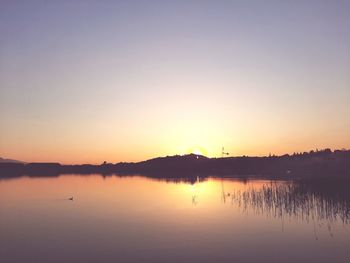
94, 80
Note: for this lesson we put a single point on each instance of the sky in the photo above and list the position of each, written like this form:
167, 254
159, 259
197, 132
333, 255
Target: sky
94, 81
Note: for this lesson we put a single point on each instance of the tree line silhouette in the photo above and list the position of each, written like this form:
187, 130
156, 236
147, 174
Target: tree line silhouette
313, 164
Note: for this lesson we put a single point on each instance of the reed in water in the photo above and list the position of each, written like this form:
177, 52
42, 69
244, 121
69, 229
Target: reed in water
293, 199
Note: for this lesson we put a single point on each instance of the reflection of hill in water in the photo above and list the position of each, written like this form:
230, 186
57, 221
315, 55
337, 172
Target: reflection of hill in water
308, 201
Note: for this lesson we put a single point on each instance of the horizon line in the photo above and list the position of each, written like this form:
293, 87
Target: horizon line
187, 154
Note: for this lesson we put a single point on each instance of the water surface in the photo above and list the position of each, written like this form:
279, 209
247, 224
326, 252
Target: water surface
138, 219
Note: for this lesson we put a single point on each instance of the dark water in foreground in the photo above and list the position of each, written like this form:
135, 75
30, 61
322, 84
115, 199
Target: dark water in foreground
137, 219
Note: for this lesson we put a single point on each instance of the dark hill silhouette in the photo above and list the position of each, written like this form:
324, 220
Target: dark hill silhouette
2, 160
313, 164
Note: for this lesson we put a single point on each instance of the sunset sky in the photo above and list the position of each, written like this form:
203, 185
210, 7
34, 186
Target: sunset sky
89, 81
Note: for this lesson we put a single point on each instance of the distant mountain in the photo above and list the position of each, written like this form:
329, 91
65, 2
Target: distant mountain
2, 160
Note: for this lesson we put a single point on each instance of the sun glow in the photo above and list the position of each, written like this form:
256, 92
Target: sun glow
198, 151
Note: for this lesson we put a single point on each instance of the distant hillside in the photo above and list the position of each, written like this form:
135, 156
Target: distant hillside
2, 160
313, 164
321, 163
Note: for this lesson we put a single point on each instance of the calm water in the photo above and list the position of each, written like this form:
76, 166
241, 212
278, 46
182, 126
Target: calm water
137, 219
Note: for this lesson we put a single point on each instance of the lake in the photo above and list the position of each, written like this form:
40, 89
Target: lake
140, 219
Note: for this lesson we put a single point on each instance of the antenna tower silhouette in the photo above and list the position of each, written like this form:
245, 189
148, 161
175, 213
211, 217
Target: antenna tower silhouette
223, 152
